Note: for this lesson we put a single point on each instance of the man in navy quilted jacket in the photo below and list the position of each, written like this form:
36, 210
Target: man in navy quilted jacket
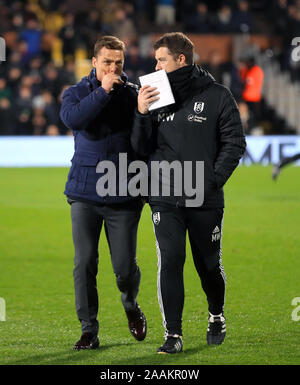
99, 110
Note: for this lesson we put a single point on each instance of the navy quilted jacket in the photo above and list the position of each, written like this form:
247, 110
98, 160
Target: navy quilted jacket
101, 125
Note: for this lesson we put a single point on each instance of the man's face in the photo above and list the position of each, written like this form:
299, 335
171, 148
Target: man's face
165, 61
108, 61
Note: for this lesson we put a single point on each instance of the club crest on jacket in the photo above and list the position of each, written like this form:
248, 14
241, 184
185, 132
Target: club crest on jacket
198, 107
156, 218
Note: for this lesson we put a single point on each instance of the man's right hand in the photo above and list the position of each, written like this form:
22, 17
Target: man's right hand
109, 80
147, 95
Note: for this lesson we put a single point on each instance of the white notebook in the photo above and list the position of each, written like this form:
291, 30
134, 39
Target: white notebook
160, 80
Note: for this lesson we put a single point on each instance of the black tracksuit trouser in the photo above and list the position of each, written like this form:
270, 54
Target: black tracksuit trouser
204, 227
289, 159
121, 224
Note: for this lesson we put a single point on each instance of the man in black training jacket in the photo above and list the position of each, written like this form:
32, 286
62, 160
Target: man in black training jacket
202, 126
100, 110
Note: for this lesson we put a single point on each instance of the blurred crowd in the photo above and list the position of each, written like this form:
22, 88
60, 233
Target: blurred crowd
46, 38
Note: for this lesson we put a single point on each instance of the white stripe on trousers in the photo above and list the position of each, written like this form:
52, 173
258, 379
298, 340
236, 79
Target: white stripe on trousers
222, 271
159, 295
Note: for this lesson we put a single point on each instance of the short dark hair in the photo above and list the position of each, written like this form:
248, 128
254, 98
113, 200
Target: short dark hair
177, 43
109, 42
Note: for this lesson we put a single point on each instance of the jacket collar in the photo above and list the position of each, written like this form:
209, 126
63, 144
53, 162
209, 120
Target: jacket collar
203, 76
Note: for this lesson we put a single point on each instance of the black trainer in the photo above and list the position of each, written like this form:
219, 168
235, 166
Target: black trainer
216, 330
137, 323
87, 341
173, 344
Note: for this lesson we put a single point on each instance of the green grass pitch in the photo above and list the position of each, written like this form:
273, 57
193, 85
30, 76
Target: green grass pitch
261, 258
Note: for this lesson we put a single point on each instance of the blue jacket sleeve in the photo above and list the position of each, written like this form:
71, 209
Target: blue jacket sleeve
76, 113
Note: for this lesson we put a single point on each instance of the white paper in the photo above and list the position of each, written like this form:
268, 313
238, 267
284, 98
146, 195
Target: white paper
159, 79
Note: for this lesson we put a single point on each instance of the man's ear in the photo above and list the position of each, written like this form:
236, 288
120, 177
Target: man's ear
94, 60
182, 60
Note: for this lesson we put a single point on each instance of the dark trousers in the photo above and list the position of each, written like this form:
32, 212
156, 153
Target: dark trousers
288, 160
255, 113
204, 228
121, 224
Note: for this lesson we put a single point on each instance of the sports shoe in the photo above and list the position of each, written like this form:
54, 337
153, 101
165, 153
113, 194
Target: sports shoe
137, 323
87, 341
216, 329
173, 344
275, 171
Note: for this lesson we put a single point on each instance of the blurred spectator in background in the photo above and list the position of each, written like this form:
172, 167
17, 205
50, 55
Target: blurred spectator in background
252, 79
52, 130
123, 27
149, 61
50, 107
45, 113
198, 21
165, 12
223, 21
34, 72
92, 29
32, 35
23, 111
51, 80
214, 65
14, 60
5, 107
5, 117
186, 9
13, 79
224, 73
5, 91
244, 113
23, 49
69, 36
279, 15
134, 64
18, 22
242, 19
143, 14
67, 73
38, 121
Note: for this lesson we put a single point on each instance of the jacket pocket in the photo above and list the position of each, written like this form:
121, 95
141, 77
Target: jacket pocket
85, 158
84, 173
